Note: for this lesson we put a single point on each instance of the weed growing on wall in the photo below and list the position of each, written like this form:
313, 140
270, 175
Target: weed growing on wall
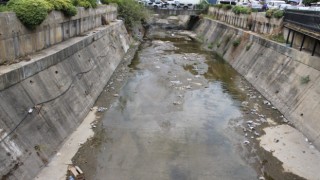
236, 42
228, 38
305, 79
278, 38
248, 46
210, 46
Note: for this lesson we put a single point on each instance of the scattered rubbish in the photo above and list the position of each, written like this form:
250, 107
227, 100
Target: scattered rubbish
180, 96
189, 79
199, 84
74, 172
58, 154
176, 82
93, 125
246, 134
261, 178
197, 76
101, 109
246, 142
256, 133
30, 110
249, 122
116, 95
188, 87
307, 140
245, 103
176, 102
267, 103
158, 67
273, 107
172, 35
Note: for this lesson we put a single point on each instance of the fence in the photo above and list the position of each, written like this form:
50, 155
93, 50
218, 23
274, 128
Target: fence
307, 19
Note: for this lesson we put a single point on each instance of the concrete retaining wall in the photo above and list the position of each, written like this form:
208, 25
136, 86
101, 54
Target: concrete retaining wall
256, 22
275, 70
61, 84
17, 41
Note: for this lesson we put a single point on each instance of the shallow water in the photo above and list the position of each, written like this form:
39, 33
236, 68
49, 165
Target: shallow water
181, 115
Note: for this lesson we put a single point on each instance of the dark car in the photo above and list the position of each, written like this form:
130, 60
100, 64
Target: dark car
3, 1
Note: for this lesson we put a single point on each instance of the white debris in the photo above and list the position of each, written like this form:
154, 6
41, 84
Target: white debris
101, 109
116, 95
198, 84
176, 102
30, 110
176, 82
188, 87
246, 142
189, 79
249, 122
158, 67
267, 103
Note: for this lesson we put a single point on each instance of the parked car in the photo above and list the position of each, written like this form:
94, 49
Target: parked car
275, 4
244, 4
255, 5
284, 6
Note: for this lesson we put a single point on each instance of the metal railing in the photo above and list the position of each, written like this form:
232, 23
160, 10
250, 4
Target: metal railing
307, 19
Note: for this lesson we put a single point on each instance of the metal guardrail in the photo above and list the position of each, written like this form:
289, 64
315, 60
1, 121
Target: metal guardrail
307, 19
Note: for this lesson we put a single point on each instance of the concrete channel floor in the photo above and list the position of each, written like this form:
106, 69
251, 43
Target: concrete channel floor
184, 114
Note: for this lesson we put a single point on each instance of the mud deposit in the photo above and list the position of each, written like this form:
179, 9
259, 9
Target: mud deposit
180, 113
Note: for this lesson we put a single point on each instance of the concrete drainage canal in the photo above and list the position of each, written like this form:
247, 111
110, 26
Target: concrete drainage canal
179, 111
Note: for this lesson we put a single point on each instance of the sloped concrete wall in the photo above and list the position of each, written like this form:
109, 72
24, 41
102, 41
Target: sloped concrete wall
61, 85
17, 41
275, 70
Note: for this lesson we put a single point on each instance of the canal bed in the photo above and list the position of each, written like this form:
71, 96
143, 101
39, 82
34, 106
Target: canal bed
180, 112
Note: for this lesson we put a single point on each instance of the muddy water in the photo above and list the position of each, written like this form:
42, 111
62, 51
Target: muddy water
182, 114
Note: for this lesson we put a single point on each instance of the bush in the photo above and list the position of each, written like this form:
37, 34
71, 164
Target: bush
30, 12
85, 3
65, 6
219, 6
278, 14
226, 6
130, 11
274, 13
4, 8
241, 10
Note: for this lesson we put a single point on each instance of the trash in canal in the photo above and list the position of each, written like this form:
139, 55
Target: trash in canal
75, 173
101, 109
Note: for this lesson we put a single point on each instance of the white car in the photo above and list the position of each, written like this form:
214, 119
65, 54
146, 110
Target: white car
275, 4
255, 5
284, 6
